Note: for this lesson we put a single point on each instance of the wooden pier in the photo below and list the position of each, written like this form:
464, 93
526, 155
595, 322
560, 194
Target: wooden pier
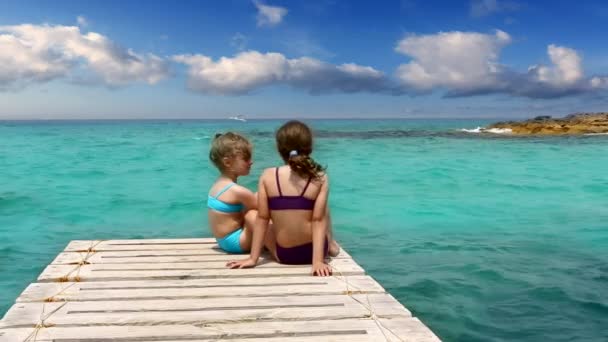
180, 290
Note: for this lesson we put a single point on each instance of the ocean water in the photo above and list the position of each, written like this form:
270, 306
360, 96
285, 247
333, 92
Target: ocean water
485, 238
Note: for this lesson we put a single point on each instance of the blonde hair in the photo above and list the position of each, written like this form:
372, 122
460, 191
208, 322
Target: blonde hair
228, 145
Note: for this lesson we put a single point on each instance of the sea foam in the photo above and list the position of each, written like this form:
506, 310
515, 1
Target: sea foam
488, 130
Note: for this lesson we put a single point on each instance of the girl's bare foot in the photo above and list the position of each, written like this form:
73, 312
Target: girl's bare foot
334, 248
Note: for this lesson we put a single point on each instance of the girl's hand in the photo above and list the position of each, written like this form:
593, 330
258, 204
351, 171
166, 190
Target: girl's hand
245, 263
321, 269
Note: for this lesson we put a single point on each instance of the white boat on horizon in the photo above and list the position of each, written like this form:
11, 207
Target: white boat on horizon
238, 118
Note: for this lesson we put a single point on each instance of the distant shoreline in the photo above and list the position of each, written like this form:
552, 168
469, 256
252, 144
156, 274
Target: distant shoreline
256, 119
576, 123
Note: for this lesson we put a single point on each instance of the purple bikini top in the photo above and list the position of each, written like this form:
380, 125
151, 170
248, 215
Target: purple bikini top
290, 202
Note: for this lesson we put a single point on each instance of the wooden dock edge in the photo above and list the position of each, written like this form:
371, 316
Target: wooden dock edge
180, 290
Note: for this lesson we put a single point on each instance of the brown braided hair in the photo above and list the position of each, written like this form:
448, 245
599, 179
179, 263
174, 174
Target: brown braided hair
228, 145
297, 136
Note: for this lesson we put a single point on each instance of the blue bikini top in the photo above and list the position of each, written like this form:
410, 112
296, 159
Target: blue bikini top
221, 206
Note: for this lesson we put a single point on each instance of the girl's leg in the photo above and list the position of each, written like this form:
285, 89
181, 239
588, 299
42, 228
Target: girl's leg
270, 242
247, 236
334, 248
248, 224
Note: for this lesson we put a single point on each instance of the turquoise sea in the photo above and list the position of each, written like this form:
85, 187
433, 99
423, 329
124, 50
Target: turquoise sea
485, 238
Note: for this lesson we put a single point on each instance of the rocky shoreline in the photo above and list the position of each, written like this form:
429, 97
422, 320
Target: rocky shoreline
578, 123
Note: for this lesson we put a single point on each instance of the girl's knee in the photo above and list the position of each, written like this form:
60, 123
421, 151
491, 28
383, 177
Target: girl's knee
250, 217
251, 214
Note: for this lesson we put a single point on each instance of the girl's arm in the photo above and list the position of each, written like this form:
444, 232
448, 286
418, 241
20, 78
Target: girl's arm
248, 198
261, 222
259, 229
319, 231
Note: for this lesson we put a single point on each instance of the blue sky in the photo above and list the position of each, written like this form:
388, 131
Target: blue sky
319, 59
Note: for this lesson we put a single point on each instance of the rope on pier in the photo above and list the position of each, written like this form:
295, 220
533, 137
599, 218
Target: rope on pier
52, 298
372, 313
33, 336
83, 261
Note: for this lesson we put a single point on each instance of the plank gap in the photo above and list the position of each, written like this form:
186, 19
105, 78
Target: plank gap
101, 249
328, 293
156, 256
220, 335
222, 308
161, 243
187, 277
183, 268
194, 286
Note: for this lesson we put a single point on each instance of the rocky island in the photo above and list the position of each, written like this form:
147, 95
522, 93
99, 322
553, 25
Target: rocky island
578, 123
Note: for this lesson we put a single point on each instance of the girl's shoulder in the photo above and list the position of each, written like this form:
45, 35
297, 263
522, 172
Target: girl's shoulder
322, 180
267, 174
271, 171
218, 186
234, 189
240, 189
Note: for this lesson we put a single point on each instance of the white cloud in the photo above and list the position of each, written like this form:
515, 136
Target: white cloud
233, 75
467, 63
82, 21
38, 53
269, 15
599, 82
464, 60
567, 69
460, 63
251, 70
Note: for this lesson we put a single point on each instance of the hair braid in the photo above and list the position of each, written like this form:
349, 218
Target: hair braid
306, 167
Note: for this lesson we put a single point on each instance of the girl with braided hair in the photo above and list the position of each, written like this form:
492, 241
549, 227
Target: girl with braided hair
295, 197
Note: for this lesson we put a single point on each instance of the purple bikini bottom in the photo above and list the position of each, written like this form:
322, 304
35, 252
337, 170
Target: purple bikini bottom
298, 255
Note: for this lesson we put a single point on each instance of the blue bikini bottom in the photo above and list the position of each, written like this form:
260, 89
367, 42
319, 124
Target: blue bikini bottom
231, 242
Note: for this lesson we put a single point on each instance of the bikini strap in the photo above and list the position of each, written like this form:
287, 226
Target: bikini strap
306, 187
278, 184
224, 190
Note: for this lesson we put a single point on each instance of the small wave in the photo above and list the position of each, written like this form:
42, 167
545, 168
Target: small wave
596, 133
499, 130
201, 138
184, 205
488, 130
474, 130
11, 199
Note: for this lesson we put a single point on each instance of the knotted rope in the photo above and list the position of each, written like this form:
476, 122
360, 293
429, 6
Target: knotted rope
42, 323
371, 312
83, 261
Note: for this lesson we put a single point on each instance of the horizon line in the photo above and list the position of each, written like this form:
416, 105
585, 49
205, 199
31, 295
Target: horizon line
273, 118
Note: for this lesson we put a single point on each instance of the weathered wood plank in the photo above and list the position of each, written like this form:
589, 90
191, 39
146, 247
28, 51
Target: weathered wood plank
208, 245
331, 338
81, 244
162, 256
210, 265
199, 288
210, 310
179, 289
101, 272
407, 328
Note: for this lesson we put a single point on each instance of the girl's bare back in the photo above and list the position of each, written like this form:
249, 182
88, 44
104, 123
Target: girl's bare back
292, 227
